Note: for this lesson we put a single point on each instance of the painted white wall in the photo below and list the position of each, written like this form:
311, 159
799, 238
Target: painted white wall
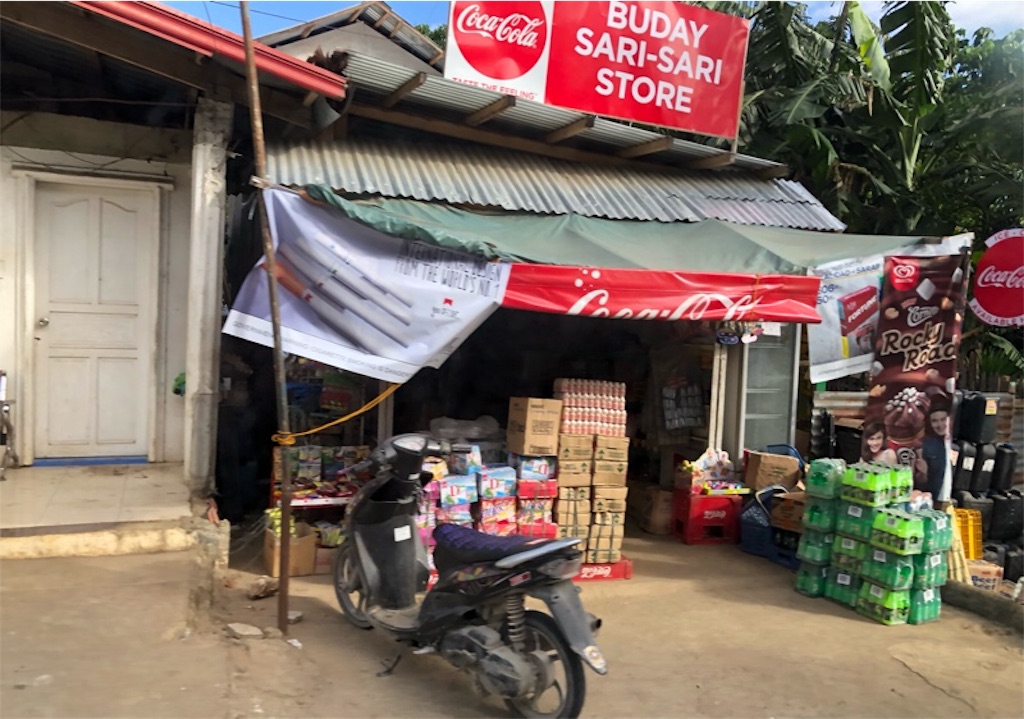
90, 147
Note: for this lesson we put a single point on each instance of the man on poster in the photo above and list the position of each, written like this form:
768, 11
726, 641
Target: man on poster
933, 462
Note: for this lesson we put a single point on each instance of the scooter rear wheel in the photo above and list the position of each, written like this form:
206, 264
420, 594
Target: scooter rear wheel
348, 587
564, 698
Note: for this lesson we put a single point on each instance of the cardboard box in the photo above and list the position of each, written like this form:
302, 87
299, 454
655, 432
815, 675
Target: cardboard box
325, 560
609, 518
655, 510
574, 492
302, 552
610, 472
566, 507
575, 467
573, 480
609, 499
594, 543
985, 575
763, 469
577, 531
611, 449
457, 489
533, 467
533, 426
602, 556
538, 489
575, 447
494, 483
788, 511
606, 531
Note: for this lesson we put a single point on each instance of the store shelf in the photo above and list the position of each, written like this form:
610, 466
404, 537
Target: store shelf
319, 502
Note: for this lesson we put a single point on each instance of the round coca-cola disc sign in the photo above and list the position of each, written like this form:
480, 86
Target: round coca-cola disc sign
503, 40
999, 280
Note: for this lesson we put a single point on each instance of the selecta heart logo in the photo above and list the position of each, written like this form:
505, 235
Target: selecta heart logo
503, 40
903, 275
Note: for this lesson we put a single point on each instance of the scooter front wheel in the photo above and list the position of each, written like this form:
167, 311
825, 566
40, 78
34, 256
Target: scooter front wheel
563, 696
348, 587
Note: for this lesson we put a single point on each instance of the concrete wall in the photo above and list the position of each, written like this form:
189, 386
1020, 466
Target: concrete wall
81, 146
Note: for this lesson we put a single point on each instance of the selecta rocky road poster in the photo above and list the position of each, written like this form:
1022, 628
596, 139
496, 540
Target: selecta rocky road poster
914, 370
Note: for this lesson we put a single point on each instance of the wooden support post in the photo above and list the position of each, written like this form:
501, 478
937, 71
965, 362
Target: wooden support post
571, 130
491, 111
211, 132
407, 87
647, 148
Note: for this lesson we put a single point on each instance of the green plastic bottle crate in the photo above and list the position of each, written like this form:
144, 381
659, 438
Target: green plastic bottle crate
842, 587
851, 548
925, 606
855, 520
938, 531
820, 514
845, 563
901, 481
897, 531
892, 571
930, 570
867, 484
811, 579
815, 547
825, 477
883, 605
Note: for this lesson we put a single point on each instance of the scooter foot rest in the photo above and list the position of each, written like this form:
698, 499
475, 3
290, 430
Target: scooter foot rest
407, 618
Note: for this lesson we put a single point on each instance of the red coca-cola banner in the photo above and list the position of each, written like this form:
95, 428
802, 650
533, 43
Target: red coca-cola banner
999, 282
662, 63
661, 295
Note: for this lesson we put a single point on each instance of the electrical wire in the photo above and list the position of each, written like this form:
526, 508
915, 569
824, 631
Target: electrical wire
258, 12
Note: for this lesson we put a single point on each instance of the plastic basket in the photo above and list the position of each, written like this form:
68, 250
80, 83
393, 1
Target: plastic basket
968, 522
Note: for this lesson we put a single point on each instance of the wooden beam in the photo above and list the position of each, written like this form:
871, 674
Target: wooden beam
647, 148
438, 56
407, 87
149, 53
773, 173
489, 112
710, 163
497, 139
571, 130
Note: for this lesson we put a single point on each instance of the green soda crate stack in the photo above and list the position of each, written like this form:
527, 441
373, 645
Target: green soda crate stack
888, 570
925, 606
901, 484
815, 547
855, 520
897, 531
820, 514
825, 478
845, 562
867, 484
850, 547
842, 587
884, 605
930, 570
938, 531
811, 579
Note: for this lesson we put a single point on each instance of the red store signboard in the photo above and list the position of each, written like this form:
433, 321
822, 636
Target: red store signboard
661, 63
999, 280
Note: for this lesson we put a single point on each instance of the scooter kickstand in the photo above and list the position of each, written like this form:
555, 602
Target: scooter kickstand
389, 666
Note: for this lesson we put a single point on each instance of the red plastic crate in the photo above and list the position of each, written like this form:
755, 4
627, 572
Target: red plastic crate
623, 569
706, 519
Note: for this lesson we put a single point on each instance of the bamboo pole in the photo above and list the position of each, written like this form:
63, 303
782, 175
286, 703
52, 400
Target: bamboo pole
259, 150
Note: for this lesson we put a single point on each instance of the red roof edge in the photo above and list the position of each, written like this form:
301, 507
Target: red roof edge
202, 37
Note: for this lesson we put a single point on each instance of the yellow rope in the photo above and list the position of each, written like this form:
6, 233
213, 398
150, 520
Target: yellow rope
286, 439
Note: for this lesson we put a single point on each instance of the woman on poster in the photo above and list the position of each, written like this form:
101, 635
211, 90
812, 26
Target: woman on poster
876, 445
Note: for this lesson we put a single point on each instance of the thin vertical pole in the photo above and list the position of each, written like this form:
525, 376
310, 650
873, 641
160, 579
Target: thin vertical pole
259, 150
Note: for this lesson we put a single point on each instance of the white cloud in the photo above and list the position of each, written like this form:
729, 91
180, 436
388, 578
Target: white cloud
1003, 16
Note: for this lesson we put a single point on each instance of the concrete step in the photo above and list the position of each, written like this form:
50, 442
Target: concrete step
101, 539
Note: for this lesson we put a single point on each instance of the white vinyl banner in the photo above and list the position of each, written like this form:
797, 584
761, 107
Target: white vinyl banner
360, 300
844, 343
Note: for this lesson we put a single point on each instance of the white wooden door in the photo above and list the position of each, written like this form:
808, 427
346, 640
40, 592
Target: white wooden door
94, 321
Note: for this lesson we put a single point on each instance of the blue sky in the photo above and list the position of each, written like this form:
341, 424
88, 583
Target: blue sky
270, 15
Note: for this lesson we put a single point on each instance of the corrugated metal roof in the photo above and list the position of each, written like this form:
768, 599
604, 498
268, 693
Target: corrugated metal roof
485, 176
383, 78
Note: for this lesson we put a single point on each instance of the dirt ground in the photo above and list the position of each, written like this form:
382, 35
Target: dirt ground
698, 631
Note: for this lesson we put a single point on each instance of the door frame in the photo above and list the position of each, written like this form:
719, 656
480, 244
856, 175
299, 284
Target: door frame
25, 312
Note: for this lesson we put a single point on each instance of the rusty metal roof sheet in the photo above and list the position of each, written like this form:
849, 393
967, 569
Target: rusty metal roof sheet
459, 173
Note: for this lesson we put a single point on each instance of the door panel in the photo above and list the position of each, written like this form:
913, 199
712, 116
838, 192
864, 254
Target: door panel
95, 331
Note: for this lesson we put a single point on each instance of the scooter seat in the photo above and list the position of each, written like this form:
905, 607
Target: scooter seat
462, 545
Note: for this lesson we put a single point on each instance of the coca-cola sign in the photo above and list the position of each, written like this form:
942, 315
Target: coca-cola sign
999, 280
518, 30
661, 295
661, 63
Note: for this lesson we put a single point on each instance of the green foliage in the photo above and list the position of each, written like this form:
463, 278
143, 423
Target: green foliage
437, 34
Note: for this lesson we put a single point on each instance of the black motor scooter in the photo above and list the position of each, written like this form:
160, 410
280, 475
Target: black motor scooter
474, 617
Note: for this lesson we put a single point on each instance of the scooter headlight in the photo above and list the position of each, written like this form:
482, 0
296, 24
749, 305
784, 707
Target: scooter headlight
562, 568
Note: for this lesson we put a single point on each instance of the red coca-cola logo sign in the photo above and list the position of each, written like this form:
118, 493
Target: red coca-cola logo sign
904, 274
999, 280
503, 40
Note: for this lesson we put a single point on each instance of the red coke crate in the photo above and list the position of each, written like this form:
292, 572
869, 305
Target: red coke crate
623, 569
706, 519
